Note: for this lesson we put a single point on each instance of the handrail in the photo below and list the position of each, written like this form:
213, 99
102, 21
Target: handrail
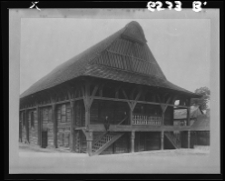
122, 121
107, 131
100, 137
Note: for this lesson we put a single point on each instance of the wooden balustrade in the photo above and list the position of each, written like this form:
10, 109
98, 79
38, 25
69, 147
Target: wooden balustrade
146, 120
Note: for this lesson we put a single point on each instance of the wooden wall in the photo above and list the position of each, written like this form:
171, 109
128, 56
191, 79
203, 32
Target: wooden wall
33, 128
23, 127
169, 116
64, 123
145, 141
116, 111
79, 113
148, 110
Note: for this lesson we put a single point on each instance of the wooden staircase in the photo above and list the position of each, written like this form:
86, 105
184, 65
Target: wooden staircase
173, 140
104, 142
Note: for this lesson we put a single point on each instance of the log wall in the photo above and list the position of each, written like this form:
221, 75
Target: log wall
169, 116
33, 128
64, 123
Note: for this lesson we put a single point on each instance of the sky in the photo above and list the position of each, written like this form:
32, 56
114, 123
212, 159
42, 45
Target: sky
181, 46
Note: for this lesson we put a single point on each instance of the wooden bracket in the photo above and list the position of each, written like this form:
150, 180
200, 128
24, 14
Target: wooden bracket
139, 94
168, 100
95, 90
164, 107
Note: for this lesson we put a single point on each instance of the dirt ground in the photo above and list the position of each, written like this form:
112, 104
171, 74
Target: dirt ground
37, 160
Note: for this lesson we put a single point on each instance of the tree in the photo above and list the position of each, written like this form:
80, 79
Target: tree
201, 102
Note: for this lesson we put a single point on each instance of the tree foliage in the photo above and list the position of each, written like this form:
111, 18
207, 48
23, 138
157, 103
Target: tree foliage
202, 102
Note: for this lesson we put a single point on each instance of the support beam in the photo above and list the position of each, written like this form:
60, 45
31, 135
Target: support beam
189, 139
89, 138
132, 141
188, 116
54, 120
39, 119
27, 125
87, 103
162, 140
188, 112
72, 127
164, 107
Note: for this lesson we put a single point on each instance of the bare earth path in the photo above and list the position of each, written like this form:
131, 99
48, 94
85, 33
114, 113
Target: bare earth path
36, 160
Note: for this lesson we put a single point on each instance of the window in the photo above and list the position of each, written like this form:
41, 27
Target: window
63, 113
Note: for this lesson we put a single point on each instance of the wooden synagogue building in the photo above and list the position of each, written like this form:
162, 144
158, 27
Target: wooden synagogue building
112, 98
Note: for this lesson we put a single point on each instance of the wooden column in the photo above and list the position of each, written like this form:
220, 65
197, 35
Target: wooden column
89, 138
188, 116
54, 120
87, 116
164, 107
27, 125
131, 114
39, 119
87, 102
72, 127
132, 141
189, 139
162, 140
188, 112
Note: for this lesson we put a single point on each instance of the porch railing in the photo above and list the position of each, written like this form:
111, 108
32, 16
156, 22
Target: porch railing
146, 120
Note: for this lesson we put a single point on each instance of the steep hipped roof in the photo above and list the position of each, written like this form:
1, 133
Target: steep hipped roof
123, 56
182, 113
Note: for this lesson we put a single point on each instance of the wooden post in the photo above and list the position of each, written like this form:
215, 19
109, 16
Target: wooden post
162, 140
87, 115
132, 141
27, 125
189, 139
188, 112
39, 119
89, 138
164, 107
72, 134
188, 116
54, 120
163, 118
87, 102
131, 113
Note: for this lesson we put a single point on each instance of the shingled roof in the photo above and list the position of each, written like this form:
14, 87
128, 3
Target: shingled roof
123, 56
